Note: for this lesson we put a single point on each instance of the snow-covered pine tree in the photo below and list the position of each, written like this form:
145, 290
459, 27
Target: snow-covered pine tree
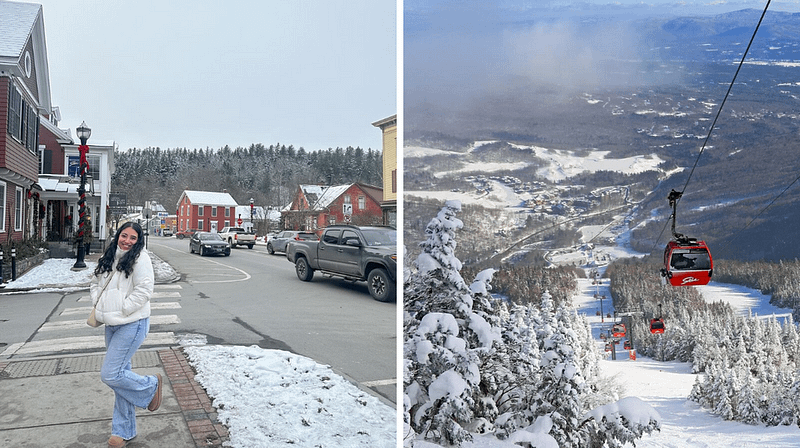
512, 374
437, 397
747, 405
484, 336
445, 338
562, 383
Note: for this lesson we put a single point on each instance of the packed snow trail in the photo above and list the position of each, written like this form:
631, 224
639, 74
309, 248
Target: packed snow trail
666, 385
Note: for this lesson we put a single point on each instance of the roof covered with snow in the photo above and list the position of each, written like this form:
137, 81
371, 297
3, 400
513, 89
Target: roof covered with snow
208, 198
16, 21
58, 186
321, 196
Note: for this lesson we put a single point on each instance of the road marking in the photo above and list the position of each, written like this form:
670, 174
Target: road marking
80, 343
380, 382
159, 319
156, 295
153, 306
161, 295
246, 275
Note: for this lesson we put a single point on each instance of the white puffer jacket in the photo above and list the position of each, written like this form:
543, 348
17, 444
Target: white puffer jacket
125, 299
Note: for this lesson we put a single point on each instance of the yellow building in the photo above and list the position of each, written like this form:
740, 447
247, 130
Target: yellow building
388, 127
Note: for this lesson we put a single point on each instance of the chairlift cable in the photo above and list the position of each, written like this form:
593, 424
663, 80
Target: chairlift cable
719, 112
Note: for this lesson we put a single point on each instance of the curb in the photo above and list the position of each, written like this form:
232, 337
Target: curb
199, 413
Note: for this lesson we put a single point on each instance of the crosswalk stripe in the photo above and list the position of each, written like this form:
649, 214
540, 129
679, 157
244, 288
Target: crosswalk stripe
97, 341
81, 343
153, 306
156, 295
161, 295
380, 382
158, 319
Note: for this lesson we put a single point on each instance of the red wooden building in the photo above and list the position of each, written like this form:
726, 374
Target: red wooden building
24, 97
316, 206
205, 210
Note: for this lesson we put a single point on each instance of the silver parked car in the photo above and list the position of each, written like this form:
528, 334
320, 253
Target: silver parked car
278, 242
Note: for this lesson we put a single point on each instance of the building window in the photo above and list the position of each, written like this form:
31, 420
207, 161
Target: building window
362, 202
94, 166
74, 166
214, 212
199, 224
2, 206
41, 158
200, 210
23, 121
394, 181
18, 209
331, 220
227, 223
348, 200
227, 212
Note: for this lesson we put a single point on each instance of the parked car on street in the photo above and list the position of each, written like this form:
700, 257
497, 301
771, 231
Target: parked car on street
185, 234
355, 253
238, 236
278, 242
209, 243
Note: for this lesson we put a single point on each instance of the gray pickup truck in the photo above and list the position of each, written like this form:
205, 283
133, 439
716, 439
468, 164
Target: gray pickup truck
356, 253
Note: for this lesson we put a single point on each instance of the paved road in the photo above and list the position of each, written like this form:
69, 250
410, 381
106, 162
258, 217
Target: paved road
249, 298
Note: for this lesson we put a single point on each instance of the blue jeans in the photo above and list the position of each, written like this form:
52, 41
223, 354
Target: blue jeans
130, 390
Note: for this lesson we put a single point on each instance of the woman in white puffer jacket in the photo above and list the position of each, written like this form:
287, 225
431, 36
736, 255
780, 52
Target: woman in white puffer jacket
121, 289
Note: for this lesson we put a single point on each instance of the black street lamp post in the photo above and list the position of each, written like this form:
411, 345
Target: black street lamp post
84, 133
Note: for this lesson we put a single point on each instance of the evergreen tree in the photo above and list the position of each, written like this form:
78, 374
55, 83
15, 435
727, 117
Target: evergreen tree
442, 371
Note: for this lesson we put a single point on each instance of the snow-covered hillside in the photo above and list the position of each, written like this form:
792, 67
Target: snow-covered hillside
664, 386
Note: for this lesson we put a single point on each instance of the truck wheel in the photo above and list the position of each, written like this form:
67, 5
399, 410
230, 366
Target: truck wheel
250, 246
303, 270
381, 288
270, 249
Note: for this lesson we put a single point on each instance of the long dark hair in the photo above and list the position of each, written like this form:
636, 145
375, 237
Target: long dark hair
128, 260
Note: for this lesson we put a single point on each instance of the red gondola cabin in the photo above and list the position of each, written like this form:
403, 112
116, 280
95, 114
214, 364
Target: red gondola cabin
618, 330
688, 263
656, 325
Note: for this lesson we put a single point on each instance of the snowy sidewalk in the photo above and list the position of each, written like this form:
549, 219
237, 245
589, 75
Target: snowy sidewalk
60, 401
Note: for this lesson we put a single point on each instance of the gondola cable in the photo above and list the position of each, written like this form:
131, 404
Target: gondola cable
713, 123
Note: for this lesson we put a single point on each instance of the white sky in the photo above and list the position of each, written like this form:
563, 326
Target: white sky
196, 74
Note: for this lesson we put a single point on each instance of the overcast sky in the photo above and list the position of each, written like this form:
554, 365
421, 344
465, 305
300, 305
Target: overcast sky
207, 73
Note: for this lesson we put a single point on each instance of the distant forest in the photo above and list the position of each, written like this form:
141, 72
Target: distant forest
268, 174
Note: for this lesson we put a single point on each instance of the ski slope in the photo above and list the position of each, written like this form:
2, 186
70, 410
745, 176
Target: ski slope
665, 385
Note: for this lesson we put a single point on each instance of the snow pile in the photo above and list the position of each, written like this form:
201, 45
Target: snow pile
632, 409
273, 397
56, 274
